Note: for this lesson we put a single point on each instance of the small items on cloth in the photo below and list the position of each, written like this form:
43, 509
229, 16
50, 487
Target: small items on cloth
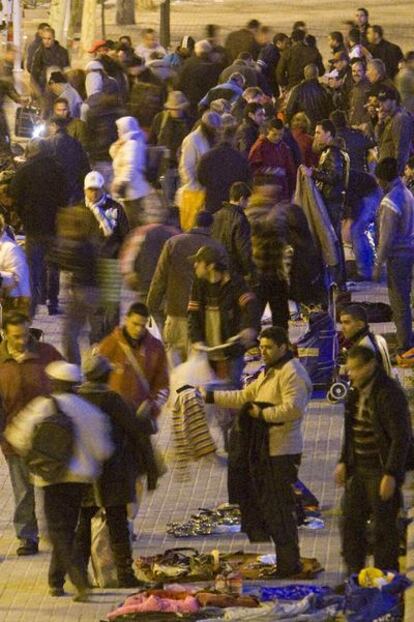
224, 519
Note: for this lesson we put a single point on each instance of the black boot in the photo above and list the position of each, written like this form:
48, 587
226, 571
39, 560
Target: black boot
123, 562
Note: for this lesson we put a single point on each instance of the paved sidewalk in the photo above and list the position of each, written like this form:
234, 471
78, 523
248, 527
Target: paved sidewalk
23, 587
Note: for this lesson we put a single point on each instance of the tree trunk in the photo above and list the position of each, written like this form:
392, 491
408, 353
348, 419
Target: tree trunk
88, 34
75, 16
125, 12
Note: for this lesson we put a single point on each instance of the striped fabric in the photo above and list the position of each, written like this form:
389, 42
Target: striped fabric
191, 435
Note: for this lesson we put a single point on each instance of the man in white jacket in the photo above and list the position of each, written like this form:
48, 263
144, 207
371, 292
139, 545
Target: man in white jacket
62, 499
276, 401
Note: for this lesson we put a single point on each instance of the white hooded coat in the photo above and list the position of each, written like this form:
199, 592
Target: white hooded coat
128, 155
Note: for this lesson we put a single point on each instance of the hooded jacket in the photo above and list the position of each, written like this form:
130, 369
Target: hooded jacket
128, 154
14, 270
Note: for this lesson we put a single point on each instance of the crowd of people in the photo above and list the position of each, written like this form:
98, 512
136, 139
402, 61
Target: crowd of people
211, 181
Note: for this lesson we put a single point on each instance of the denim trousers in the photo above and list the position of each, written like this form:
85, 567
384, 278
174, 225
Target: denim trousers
363, 246
361, 502
44, 275
399, 281
82, 306
24, 518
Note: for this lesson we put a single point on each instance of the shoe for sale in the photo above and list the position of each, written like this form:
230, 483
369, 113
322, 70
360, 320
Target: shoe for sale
27, 547
56, 592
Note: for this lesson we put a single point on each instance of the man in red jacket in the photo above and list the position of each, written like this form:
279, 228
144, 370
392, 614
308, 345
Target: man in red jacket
140, 372
271, 157
22, 378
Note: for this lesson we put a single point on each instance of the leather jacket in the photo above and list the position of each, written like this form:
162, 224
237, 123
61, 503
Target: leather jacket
331, 175
311, 98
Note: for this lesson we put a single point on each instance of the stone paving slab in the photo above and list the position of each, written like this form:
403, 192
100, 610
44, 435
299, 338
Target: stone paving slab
23, 585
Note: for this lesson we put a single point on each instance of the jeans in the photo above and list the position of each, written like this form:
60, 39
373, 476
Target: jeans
24, 518
177, 343
338, 272
363, 247
361, 502
83, 302
275, 292
399, 281
44, 275
62, 508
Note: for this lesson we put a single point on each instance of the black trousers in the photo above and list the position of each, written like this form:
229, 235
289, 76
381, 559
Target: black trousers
62, 507
278, 505
275, 292
361, 502
116, 518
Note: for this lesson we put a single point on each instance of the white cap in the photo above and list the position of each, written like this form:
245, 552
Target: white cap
67, 372
94, 180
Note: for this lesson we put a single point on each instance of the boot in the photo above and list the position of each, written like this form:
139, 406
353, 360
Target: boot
123, 562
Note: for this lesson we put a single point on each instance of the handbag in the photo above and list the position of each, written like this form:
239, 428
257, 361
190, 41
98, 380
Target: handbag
102, 559
191, 203
27, 117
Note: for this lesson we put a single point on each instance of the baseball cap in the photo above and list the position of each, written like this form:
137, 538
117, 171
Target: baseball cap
94, 366
208, 254
66, 372
94, 180
99, 43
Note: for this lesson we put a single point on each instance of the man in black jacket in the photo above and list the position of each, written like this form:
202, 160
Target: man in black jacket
71, 156
309, 97
388, 52
49, 54
198, 75
232, 229
331, 177
248, 131
290, 68
38, 190
373, 461
221, 307
220, 167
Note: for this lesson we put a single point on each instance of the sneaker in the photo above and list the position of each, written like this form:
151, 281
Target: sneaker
56, 592
27, 547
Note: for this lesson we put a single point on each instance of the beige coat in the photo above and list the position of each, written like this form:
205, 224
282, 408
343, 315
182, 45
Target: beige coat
289, 389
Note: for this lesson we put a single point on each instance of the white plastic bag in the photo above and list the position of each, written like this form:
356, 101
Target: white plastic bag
196, 371
102, 559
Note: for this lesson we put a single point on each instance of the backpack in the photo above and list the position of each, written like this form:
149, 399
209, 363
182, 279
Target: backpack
52, 446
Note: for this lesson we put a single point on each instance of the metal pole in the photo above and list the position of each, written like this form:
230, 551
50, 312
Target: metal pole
165, 34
